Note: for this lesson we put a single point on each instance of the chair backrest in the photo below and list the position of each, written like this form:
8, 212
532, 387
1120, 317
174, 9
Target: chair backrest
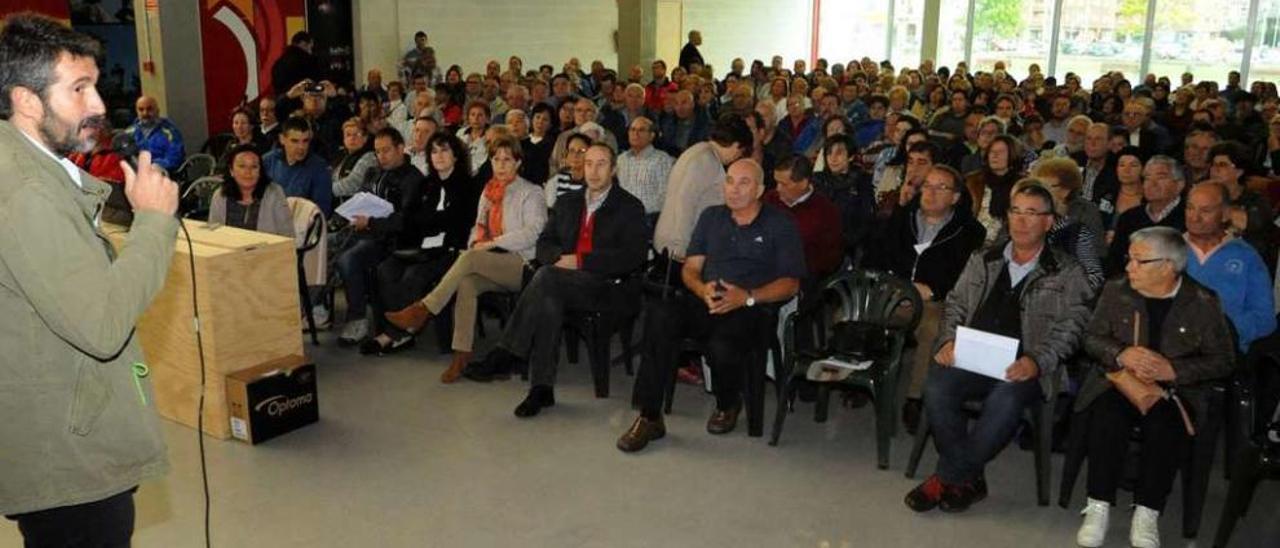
310, 232
197, 198
871, 296
203, 189
198, 166
308, 223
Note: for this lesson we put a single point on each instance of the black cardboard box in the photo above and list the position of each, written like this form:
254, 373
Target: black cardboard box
271, 399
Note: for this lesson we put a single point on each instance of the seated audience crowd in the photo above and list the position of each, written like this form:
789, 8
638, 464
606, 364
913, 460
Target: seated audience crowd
1112, 230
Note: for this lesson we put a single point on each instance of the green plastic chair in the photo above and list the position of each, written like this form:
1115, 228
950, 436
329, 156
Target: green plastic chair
877, 303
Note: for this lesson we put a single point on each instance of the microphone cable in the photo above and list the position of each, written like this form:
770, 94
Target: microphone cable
195, 313
124, 145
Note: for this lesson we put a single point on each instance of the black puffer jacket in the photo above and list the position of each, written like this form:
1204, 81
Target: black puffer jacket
940, 265
403, 187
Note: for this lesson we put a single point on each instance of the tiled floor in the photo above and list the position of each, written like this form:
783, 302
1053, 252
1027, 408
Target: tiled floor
401, 460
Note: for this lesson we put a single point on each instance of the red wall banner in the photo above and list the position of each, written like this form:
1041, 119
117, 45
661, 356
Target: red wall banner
59, 9
240, 40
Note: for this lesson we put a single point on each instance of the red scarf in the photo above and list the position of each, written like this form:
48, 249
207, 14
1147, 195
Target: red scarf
494, 191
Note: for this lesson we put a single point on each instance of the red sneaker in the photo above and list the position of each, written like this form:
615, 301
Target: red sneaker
927, 495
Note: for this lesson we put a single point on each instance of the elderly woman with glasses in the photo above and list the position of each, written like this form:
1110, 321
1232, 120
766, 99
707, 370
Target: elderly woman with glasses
1154, 326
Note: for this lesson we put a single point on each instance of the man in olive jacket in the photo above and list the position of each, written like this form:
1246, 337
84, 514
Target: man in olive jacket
1023, 289
77, 420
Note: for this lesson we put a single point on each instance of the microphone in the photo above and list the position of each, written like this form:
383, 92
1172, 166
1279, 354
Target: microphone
124, 145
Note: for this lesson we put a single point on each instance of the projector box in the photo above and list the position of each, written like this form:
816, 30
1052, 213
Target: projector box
271, 399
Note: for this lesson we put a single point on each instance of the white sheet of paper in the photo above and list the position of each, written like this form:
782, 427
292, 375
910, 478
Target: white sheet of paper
366, 204
432, 242
984, 353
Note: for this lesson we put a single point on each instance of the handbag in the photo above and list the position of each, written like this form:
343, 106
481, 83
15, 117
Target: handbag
1143, 395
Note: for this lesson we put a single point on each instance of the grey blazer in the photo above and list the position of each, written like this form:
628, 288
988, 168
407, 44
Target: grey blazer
524, 212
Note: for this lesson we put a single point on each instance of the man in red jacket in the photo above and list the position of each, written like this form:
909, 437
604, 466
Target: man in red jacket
815, 215
656, 92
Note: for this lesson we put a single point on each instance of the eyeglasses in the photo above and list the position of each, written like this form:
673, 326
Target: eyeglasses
1146, 261
936, 188
577, 151
1016, 212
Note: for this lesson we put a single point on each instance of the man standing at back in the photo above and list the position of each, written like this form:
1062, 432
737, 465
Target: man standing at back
695, 183
296, 64
81, 432
689, 54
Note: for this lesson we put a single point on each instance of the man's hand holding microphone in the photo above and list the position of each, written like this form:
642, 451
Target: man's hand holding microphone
148, 188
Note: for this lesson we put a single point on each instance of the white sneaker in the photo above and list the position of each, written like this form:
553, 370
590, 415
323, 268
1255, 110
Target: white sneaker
1093, 531
354, 332
321, 315
1144, 532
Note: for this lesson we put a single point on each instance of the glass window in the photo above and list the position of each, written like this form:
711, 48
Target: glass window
1014, 31
853, 29
1099, 36
1203, 37
952, 25
908, 21
1265, 62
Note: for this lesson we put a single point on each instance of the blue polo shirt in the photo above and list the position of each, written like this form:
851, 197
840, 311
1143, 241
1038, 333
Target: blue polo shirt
751, 255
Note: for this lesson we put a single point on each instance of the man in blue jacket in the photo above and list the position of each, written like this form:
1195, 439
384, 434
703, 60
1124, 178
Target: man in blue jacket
1229, 266
157, 135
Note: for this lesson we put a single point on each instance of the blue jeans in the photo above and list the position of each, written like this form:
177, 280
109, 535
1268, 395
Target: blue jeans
962, 453
356, 263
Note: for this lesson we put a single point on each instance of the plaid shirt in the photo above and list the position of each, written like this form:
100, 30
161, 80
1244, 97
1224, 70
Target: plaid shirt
644, 175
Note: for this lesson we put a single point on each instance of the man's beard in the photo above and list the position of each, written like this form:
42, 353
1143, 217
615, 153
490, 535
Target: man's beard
63, 137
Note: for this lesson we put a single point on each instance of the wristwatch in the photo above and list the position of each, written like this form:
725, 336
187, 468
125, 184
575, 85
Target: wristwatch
751, 301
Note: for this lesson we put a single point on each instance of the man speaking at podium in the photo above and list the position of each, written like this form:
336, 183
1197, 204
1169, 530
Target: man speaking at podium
77, 420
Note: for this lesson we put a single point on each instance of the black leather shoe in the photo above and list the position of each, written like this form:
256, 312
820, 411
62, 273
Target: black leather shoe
496, 365
642, 432
723, 422
539, 397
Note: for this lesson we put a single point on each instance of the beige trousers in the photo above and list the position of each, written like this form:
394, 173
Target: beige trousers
921, 356
473, 273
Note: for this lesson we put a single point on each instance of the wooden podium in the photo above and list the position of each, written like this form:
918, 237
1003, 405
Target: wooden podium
247, 292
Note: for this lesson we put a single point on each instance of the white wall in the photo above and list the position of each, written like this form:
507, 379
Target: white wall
750, 29
471, 32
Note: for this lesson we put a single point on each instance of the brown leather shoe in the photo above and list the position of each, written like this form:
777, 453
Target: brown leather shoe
410, 318
723, 422
642, 432
454, 372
